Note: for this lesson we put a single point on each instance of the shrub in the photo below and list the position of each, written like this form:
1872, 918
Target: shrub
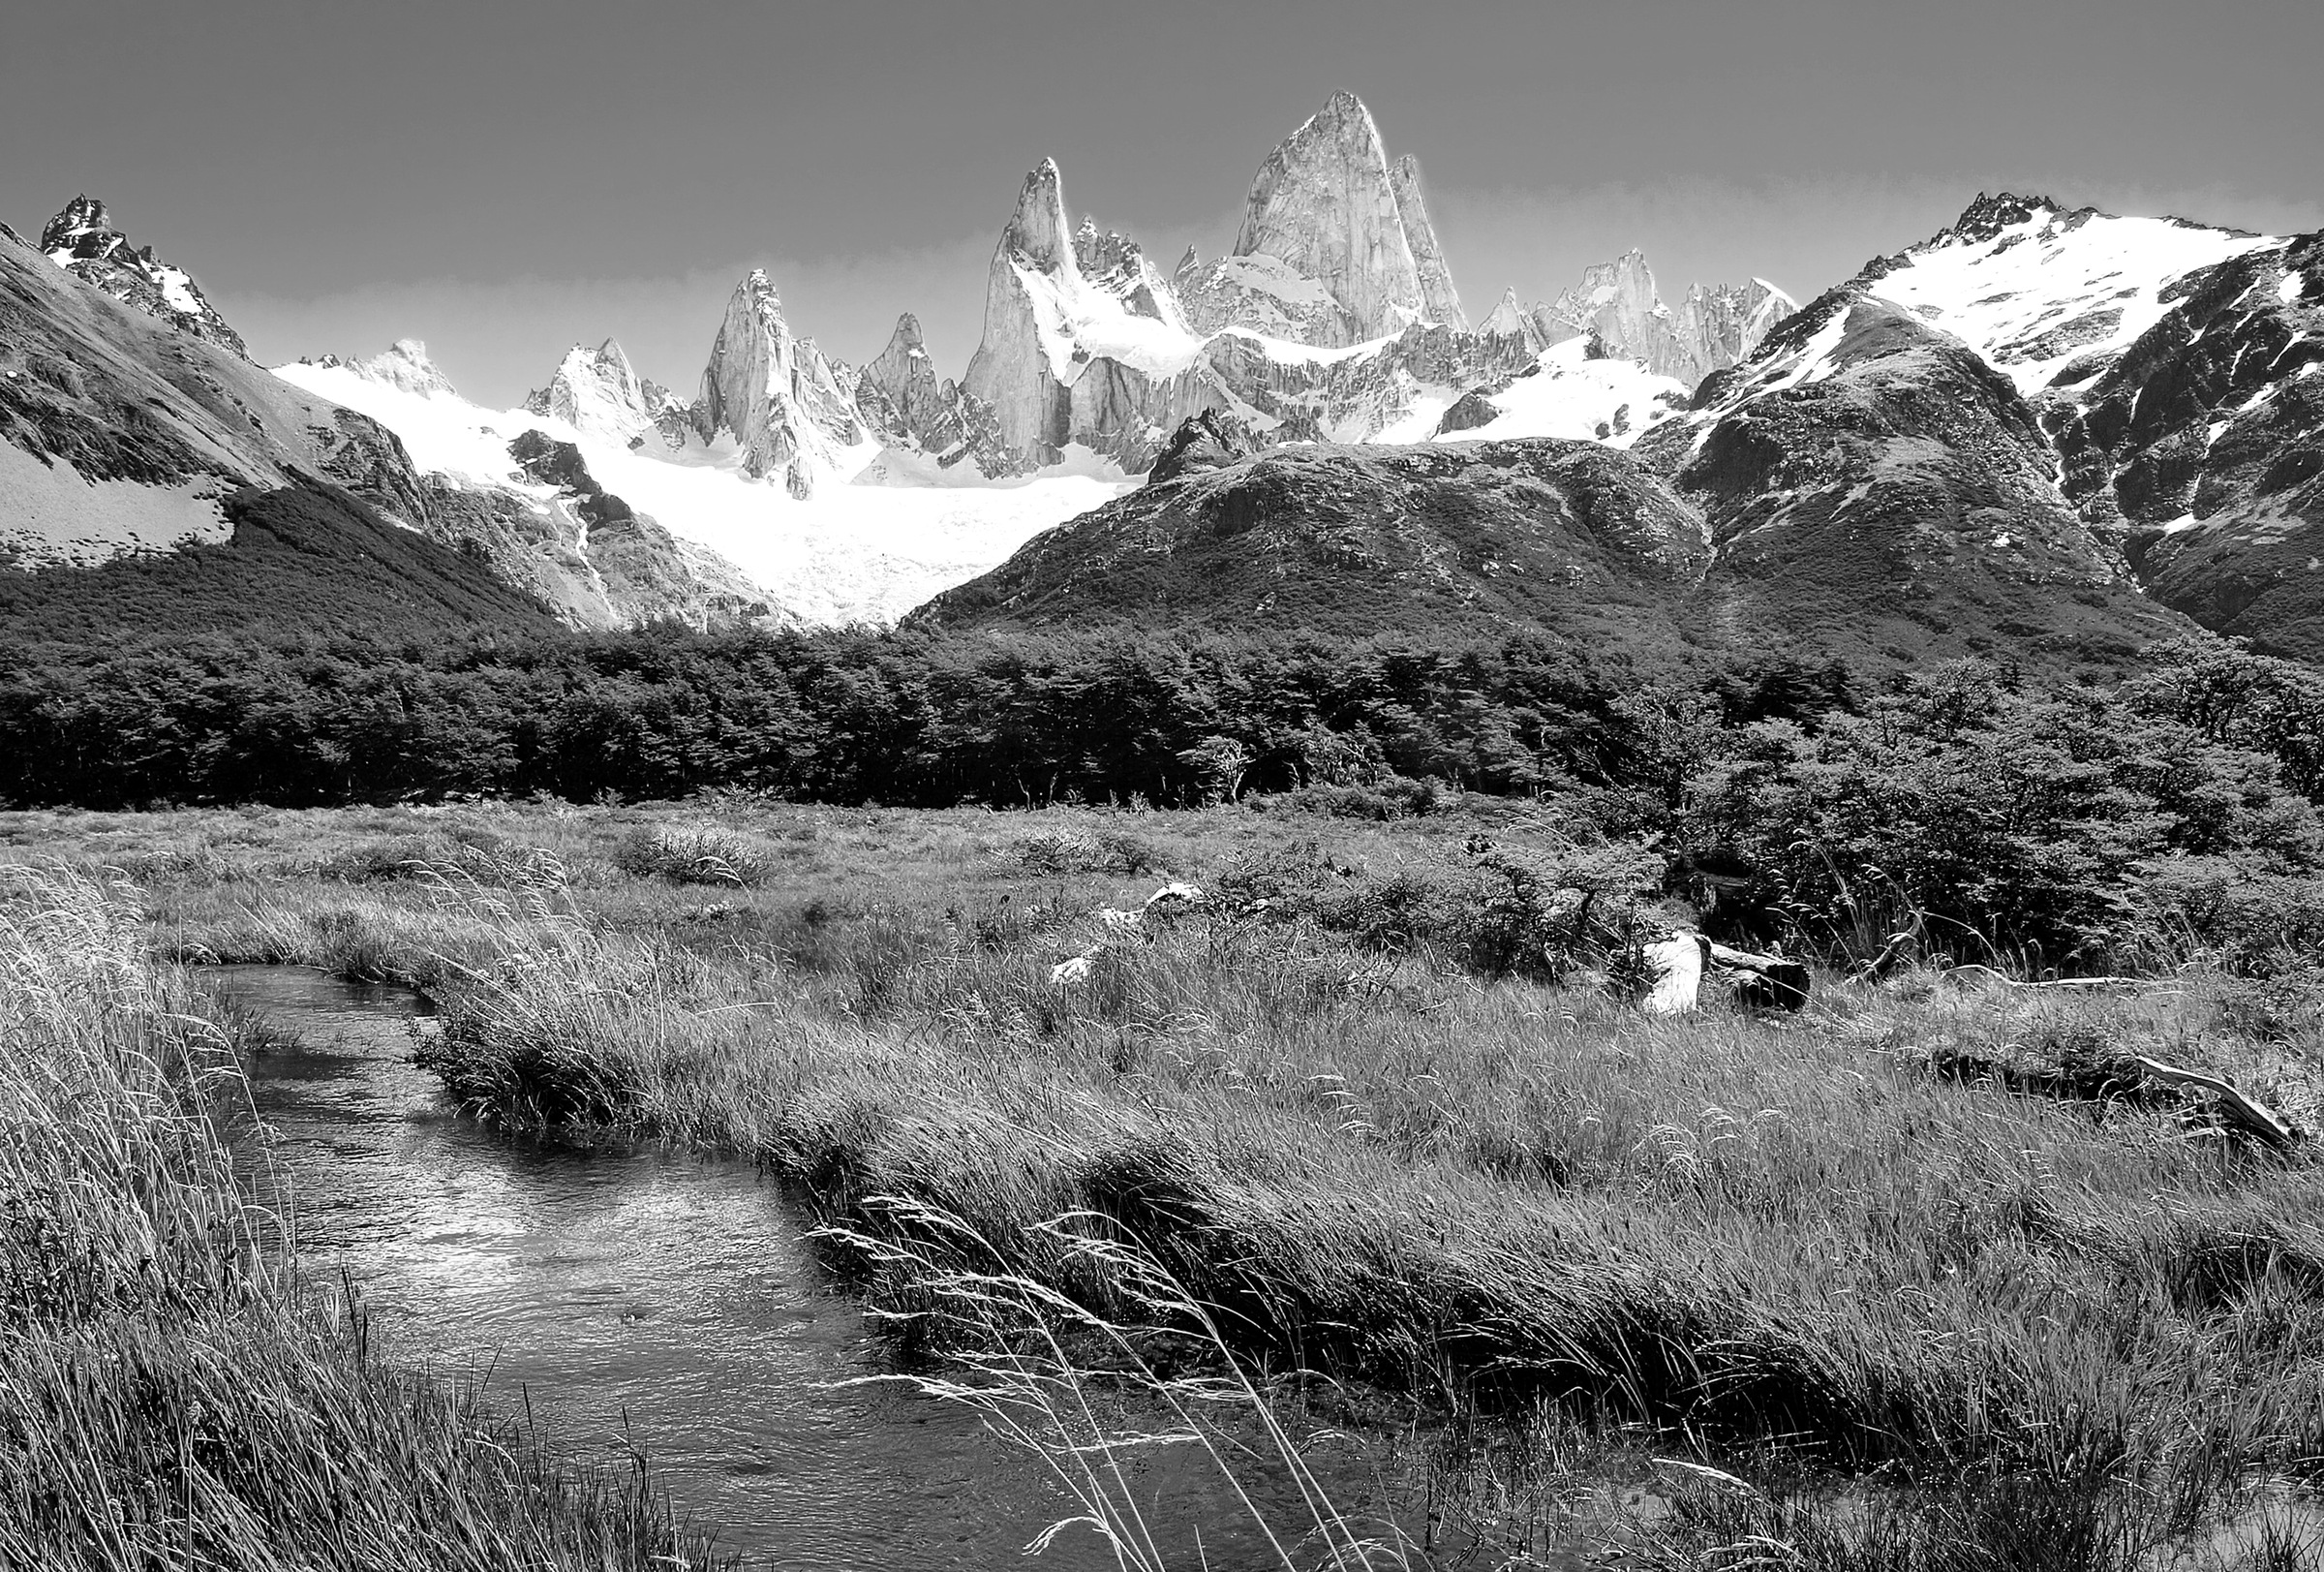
693, 854
1087, 852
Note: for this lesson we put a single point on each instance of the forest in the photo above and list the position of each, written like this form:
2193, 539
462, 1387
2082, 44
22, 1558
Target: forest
1807, 797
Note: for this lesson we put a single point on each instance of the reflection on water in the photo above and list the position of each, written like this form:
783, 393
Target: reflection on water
653, 1292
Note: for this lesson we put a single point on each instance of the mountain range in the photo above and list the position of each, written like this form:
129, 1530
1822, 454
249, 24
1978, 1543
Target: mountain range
2044, 430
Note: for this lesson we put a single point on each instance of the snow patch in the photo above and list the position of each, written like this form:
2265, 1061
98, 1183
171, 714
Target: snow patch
1569, 395
60, 519
2006, 297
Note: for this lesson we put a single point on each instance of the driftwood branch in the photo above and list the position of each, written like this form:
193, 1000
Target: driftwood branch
2069, 984
2241, 1111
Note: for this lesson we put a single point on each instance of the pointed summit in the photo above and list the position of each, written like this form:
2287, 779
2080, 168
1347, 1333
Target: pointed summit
403, 365
1330, 222
1440, 302
1712, 329
599, 393
1510, 320
1037, 232
774, 394
81, 240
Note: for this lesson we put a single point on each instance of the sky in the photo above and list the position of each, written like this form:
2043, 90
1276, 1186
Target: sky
504, 179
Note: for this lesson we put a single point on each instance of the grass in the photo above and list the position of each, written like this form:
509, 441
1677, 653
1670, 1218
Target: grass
169, 1395
1911, 1303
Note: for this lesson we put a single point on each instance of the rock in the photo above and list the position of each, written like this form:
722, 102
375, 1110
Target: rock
1440, 302
1712, 329
598, 392
774, 395
1105, 362
403, 364
1508, 320
83, 242
1207, 440
1326, 206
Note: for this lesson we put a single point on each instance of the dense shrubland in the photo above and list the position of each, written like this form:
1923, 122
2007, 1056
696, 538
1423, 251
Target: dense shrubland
1965, 812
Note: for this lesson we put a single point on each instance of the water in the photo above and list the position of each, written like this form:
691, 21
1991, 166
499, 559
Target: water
659, 1296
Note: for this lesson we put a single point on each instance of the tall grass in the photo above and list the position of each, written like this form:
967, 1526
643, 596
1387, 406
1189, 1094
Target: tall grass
2066, 1329
1748, 1234
169, 1395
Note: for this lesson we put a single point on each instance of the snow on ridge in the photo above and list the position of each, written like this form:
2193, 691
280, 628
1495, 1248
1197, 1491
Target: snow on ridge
1080, 322
2053, 288
1571, 395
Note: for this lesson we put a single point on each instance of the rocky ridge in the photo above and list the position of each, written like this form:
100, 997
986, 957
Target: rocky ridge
81, 240
775, 395
599, 392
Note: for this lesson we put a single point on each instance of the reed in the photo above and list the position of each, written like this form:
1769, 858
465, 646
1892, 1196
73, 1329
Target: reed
171, 1394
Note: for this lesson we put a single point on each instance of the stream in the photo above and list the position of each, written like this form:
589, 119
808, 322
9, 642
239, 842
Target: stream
665, 1299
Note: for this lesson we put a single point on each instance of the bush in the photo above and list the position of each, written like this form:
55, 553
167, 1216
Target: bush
693, 854
1087, 852
1983, 820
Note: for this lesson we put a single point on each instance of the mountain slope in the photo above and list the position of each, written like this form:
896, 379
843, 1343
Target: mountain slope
1867, 472
120, 433
305, 559
1570, 536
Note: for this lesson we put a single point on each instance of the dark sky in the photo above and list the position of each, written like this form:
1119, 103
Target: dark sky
503, 179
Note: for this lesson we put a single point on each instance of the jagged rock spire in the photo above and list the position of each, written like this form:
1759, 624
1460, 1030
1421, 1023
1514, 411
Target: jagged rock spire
1440, 302
598, 392
81, 240
774, 395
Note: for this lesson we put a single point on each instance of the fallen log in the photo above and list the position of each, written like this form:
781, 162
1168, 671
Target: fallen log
2250, 1116
1676, 965
1769, 981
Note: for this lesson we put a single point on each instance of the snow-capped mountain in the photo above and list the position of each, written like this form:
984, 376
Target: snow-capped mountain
835, 493
82, 240
697, 536
2034, 397
1333, 318
123, 432
1335, 243
2151, 381
777, 398
598, 391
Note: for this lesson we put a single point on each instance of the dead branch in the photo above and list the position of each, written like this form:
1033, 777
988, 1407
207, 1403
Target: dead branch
2246, 1114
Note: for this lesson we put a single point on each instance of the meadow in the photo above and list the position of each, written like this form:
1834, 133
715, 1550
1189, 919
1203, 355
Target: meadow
1927, 1274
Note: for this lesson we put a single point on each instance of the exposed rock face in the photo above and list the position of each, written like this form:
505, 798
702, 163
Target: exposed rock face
2202, 445
1712, 329
774, 395
902, 399
1068, 357
121, 432
1508, 320
1335, 246
1440, 302
1326, 206
82, 240
1086, 344
598, 391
